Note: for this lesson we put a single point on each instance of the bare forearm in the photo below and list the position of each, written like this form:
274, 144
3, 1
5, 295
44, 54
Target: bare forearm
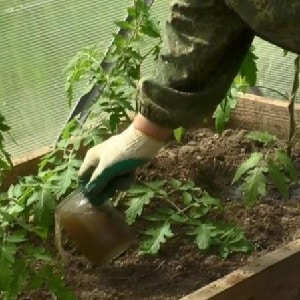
151, 129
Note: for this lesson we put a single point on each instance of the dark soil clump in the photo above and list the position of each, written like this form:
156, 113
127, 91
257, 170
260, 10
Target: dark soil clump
180, 268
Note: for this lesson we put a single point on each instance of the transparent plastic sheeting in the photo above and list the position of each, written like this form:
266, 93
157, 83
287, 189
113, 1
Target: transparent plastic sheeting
275, 71
39, 37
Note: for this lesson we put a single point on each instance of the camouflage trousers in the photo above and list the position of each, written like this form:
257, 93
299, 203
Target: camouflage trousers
205, 44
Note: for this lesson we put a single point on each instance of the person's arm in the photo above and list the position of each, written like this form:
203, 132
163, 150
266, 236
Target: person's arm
206, 43
275, 21
151, 129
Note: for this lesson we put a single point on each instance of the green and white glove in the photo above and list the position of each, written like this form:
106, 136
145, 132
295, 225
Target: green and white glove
109, 166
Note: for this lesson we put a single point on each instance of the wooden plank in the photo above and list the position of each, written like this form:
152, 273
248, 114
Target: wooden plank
260, 113
23, 166
252, 113
275, 276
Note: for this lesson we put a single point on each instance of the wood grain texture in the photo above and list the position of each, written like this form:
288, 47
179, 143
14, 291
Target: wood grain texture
275, 276
259, 113
252, 113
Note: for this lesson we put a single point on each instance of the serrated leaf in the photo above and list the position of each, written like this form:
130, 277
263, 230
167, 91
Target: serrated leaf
18, 280
254, 186
15, 209
279, 179
230, 234
190, 185
44, 208
243, 245
208, 200
17, 237
137, 190
287, 163
157, 237
15, 191
204, 234
260, 136
249, 67
40, 253
7, 252
66, 178
166, 210
187, 198
54, 283
150, 29
125, 25
179, 218
6, 274
155, 185
157, 217
250, 163
224, 251
223, 111
220, 116
136, 206
175, 184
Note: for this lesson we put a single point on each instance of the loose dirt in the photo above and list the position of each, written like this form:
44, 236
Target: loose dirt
180, 268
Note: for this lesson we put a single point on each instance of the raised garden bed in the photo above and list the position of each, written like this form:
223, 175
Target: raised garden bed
180, 268
181, 271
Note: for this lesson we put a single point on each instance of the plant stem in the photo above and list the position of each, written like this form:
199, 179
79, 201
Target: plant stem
291, 107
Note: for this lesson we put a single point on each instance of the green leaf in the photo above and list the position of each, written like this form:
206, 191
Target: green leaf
224, 251
285, 52
279, 179
223, 111
178, 134
140, 7
17, 237
179, 218
7, 252
249, 67
287, 163
15, 191
204, 234
125, 25
6, 274
155, 185
250, 163
156, 216
15, 209
40, 253
136, 206
263, 137
54, 283
150, 29
232, 239
44, 208
187, 198
19, 279
66, 179
175, 184
254, 186
157, 237
209, 201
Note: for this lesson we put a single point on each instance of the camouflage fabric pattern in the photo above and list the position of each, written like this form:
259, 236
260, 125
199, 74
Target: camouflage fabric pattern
205, 44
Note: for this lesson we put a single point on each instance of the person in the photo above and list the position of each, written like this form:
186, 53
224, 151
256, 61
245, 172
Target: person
206, 43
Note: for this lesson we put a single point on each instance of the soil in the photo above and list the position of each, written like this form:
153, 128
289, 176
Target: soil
180, 268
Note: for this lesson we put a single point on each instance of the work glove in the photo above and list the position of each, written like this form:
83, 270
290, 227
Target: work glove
109, 166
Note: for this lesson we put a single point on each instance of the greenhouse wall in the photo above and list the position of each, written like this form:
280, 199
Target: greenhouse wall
39, 37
